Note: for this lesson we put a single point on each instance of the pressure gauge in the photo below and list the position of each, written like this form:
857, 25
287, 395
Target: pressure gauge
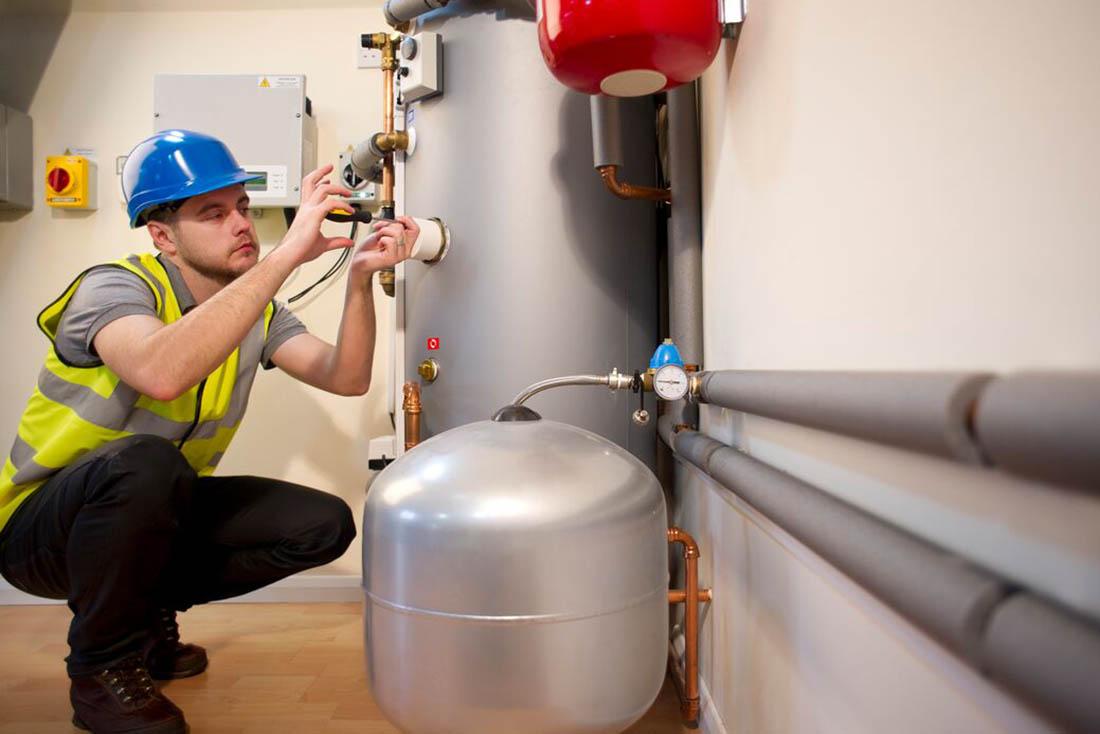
670, 382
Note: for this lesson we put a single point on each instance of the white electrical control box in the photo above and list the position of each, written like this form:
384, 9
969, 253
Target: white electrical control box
265, 119
421, 66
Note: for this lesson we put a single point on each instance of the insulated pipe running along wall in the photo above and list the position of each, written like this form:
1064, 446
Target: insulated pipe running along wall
1044, 425
1041, 425
1045, 654
685, 237
926, 412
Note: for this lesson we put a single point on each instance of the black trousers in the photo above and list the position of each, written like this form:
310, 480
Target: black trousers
130, 528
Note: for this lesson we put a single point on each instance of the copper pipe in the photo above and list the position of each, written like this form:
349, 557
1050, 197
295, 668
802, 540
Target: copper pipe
387, 129
691, 596
679, 596
412, 408
609, 174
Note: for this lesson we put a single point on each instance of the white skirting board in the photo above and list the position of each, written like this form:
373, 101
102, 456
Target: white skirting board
307, 588
710, 722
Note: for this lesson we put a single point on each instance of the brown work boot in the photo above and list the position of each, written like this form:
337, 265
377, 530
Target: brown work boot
165, 656
122, 699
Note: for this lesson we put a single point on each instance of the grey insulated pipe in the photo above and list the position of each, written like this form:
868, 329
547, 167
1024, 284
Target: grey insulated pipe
402, 11
685, 237
1044, 425
927, 412
607, 125
1037, 650
1039, 425
366, 159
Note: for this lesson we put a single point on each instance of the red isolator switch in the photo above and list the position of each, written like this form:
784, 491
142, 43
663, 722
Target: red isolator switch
59, 179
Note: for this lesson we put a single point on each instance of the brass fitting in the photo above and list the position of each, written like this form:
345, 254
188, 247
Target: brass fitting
428, 370
387, 278
391, 141
385, 43
412, 408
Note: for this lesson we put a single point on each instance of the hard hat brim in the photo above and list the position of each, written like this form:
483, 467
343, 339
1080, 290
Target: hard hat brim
190, 189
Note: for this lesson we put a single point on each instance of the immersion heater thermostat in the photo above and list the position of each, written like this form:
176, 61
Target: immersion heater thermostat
421, 66
70, 182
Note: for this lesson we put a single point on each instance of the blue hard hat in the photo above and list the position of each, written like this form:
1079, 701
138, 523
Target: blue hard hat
176, 164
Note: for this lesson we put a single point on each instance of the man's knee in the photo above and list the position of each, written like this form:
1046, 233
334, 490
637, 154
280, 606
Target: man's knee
146, 472
329, 533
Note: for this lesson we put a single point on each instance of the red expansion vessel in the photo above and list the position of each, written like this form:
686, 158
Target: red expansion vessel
627, 48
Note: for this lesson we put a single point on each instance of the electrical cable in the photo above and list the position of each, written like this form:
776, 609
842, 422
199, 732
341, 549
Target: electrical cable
332, 270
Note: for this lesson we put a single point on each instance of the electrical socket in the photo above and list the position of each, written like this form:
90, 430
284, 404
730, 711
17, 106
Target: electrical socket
369, 58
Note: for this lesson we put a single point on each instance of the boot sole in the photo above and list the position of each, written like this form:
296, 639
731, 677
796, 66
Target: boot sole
168, 727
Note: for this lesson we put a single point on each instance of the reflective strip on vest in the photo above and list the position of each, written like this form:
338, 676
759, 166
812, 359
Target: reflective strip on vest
77, 409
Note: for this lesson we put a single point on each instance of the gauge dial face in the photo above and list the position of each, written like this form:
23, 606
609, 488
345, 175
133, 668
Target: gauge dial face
670, 382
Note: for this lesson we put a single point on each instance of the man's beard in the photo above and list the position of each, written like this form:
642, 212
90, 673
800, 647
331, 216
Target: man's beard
217, 273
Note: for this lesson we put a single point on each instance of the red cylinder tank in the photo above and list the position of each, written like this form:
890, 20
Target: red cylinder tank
627, 48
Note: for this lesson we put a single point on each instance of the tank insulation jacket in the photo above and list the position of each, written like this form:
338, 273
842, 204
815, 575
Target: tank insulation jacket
628, 48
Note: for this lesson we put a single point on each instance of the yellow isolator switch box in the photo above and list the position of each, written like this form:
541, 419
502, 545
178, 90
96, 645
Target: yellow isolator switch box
70, 182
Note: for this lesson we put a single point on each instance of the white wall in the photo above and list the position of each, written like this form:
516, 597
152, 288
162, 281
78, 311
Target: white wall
891, 185
97, 93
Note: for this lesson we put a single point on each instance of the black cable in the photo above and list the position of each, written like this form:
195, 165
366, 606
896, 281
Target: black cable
333, 270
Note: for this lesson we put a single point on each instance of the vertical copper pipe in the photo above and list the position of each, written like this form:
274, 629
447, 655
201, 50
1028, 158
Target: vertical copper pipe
411, 406
691, 596
387, 127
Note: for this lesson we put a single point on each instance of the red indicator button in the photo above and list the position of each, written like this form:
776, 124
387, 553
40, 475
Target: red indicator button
433, 342
58, 179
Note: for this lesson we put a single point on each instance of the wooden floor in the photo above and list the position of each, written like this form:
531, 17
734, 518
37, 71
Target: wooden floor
274, 668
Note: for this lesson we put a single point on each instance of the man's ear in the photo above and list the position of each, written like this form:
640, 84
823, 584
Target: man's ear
163, 237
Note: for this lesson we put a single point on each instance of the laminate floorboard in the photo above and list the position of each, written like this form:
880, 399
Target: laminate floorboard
279, 668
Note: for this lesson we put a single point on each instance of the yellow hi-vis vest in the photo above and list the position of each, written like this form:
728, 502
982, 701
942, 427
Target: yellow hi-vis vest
74, 410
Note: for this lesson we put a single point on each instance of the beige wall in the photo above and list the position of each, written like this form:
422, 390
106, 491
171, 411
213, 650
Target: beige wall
97, 93
891, 185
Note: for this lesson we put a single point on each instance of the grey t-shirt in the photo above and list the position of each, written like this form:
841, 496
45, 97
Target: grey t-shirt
108, 293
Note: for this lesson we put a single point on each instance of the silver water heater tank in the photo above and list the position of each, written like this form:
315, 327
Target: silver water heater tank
516, 581
549, 274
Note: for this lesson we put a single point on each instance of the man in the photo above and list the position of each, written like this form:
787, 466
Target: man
108, 499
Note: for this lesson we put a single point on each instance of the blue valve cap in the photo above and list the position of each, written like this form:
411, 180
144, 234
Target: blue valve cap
666, 353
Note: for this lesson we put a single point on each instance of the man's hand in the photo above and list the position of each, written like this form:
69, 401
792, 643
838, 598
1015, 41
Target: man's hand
387, 245
304, 239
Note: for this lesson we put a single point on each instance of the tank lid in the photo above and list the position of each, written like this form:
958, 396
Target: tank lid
515, 413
